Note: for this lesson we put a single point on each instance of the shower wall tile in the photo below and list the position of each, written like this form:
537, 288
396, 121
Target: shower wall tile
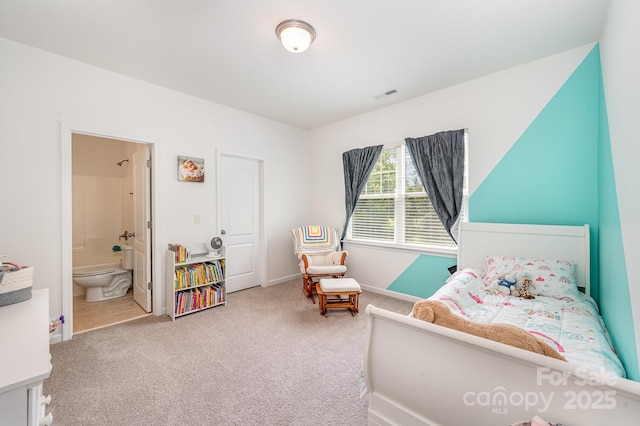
77, 210
101, 208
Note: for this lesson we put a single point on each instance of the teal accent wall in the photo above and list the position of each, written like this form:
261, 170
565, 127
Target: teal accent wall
549, 176
615, 303
424, 276
560, 171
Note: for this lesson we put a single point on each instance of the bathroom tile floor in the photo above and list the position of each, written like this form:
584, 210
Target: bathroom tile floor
89, 316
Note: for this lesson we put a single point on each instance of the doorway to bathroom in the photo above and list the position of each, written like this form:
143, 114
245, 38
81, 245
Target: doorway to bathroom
111, 231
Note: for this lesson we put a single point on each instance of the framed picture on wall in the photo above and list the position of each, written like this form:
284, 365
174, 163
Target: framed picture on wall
190, 169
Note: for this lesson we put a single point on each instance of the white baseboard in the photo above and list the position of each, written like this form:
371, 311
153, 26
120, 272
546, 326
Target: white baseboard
55, 337
385, 292
284, 279
390, 293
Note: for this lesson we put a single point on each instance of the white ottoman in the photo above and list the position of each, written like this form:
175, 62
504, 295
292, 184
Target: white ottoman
331, 292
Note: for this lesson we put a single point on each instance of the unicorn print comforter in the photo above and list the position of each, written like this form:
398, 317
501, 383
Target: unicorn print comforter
571, 325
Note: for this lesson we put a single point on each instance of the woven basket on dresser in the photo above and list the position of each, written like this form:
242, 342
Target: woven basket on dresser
15, 286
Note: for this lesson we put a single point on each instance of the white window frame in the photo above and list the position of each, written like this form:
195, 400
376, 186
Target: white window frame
399, 222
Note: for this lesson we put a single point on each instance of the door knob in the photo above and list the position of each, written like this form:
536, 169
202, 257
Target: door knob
223, 232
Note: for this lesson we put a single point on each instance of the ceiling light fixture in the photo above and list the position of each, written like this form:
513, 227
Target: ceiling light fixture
295, 35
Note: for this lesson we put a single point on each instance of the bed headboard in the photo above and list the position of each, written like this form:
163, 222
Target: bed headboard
478, 240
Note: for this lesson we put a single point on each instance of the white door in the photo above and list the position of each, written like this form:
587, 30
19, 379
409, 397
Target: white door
141, 242
240, 219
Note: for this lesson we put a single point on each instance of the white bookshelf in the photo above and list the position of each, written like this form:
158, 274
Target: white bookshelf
195, 284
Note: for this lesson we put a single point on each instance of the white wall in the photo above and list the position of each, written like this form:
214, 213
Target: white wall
619, 47
40, 91
496, 109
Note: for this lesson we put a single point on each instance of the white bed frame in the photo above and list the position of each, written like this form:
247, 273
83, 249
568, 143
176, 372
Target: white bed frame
418, 373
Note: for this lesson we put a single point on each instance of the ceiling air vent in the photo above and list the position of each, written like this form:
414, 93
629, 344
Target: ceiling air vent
382, 95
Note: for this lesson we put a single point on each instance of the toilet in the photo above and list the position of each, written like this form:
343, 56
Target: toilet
107, 281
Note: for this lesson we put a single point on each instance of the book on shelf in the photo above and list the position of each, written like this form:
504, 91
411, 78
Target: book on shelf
182, 253
197, 274
199, 298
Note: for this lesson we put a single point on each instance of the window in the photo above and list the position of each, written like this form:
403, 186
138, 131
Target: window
394, 209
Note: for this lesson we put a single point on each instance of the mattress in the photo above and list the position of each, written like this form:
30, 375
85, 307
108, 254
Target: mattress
571, 325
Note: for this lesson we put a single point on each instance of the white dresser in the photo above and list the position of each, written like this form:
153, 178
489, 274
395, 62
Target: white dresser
24, 361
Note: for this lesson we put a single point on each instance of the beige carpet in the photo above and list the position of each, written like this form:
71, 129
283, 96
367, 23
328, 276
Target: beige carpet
266, 358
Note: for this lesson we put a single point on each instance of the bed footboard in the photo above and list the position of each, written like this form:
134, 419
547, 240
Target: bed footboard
419, 373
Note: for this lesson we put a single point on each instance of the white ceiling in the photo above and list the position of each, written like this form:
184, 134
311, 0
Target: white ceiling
226, 51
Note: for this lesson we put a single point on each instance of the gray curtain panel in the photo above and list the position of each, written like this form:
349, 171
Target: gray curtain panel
358, 164
439, 161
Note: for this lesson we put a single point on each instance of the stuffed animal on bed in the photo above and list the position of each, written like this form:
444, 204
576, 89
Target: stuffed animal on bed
523, 287
438, 313
505, 284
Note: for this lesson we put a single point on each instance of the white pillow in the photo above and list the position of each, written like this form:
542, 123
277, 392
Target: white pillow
549, 277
